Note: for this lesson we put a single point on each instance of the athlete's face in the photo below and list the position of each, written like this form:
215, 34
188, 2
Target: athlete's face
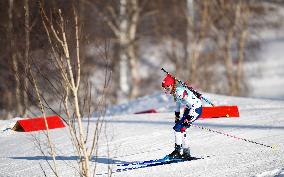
167, 89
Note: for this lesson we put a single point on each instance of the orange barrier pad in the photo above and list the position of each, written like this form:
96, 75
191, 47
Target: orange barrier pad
36, 124
219, 111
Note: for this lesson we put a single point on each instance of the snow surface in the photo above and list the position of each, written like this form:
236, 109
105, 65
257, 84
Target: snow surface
129, 137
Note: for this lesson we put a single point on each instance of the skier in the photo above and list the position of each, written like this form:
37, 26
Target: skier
193, 108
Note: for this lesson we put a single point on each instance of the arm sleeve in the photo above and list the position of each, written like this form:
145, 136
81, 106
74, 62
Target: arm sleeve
184, 95
186, 112
177, 106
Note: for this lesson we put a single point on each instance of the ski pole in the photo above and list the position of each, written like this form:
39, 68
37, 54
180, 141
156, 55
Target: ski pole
207, 101
232, 136
190, 88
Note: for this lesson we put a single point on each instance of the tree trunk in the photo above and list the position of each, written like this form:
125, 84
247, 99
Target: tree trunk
71, 77
131, 49
195, 52
233, 88
229, 64
14, 58
9, 105
242, 42
41, 107
134, 72
197, 36
27, 49
123, 41
123, 73
86, 165
190, 16
74, 86
241, 60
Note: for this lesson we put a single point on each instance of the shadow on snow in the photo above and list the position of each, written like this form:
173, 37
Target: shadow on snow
261, 127
102, 160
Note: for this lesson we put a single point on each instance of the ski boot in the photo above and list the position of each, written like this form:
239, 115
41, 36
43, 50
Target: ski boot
176, 153
186, 154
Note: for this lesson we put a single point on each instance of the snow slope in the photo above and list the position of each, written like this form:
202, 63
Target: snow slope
131, 137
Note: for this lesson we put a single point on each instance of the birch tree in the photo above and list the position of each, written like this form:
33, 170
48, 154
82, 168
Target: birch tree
69, 68
125, 31
27, 28
123, 19
196, 33
243, 35
14, 60
235, 21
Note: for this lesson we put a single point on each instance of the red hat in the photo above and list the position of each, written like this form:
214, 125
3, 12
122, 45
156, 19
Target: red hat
168, 81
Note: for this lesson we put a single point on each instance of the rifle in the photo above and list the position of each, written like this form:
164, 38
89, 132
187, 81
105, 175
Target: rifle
197, 94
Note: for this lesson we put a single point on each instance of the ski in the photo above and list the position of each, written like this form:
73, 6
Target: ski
150, 163
146, 162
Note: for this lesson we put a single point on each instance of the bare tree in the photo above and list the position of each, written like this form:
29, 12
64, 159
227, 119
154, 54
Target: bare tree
27, 50
68, 66
125, 28
196, 33
14, 62
243, 28
228, 44
223, 25
123, 19
71, 80
235, 27
42, 110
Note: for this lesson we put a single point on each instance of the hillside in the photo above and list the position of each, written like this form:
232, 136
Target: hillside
129, 137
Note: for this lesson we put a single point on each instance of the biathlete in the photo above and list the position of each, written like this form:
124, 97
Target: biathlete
193, 108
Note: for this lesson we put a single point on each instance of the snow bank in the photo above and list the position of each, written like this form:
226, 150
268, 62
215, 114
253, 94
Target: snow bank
272, 173
127, 137
7, 125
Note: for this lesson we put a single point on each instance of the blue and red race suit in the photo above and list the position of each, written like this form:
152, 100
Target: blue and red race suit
192, 111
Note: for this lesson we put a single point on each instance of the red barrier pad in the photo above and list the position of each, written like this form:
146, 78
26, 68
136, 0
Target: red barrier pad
219, 111
36, 124
147, 111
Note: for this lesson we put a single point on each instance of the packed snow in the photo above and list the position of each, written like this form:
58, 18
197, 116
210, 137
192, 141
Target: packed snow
129, 137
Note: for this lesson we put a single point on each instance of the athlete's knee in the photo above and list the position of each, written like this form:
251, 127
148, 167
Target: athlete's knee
177, 128
180, 128
183, 129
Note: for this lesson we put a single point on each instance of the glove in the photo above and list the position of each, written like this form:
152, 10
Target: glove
177, 116
187, 123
